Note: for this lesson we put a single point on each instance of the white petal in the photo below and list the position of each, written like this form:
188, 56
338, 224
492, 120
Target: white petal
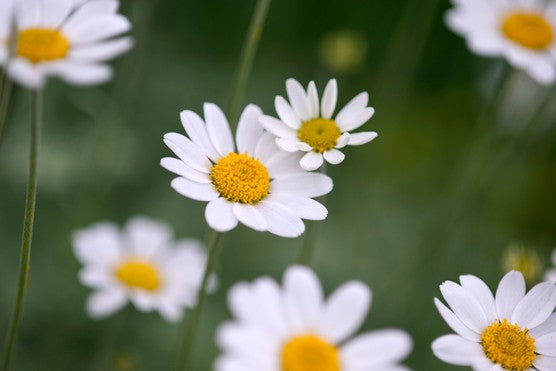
103, 303
378, 350
329, 98
171, 312
302, 146
96, 29
277, 127
298, 99
303, 207
357, 139
55, 12
510, 291
26, 74
220, 216
179, 167
313, 99
536, 306
98, 244
287, 144
286, 113
546, 327
194, 190
455, 324
345, 311
283, 164
79, 73
343, 140
352, 110
334, 156
546, 345
102, 51
96, 277
311, 161
91, 10
250, 216
249, 130
545, 363
304, 184
218, 129
480, 291
280, 220
147, 237
456, 350
188, 152
357, 120
197, 131
266, 147
303, 297
465, 307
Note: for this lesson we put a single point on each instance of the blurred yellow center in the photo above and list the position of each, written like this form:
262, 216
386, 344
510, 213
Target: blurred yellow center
309, 353
139, 274
528, 29
240, 178
509, 346
321, 134
41, 45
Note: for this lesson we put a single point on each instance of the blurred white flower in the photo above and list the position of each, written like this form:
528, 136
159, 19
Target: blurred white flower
63, 38
522, 31
293, 328
551, 273
140, 264
512, 331
258, 185
307, 125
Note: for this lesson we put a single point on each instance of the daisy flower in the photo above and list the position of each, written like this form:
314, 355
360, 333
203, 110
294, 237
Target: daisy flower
551, 273
258, 185
510, 331
63, 38
307, 125
522, 31
140, 264
293, 328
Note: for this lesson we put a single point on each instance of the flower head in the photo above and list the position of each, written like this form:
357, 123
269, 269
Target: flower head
522, 31
140, 264
551, 273
256, 184
63, 38
293, 328
510, 331
306, 124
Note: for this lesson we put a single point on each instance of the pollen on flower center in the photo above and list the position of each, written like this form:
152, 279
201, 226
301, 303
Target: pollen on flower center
309, 353
509, 346
138, 274
240, 178
321, 134
528, 29
41, 44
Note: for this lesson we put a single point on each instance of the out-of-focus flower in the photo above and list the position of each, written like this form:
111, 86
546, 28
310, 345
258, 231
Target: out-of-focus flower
307, 125
522, 31
140, 264
551, 273
512, 331
258, 185
526, 260
343, 51
63, 38
293, 328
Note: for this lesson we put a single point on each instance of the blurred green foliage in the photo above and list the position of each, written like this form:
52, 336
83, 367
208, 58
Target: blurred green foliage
404, 216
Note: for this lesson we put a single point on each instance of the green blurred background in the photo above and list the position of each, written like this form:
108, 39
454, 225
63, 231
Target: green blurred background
440, 192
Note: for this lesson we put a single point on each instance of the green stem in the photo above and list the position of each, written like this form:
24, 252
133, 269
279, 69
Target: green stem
192, 322
27, 235
248, 53
5, 95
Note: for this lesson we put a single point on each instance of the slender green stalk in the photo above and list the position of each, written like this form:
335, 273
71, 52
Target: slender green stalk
247, 57
27, 235
193, 318
5, 95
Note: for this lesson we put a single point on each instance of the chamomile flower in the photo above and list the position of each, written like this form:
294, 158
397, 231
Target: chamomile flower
510, 331
551, 273
293, 328
140, 264
258, 184
522, 31
306, 124
63, 38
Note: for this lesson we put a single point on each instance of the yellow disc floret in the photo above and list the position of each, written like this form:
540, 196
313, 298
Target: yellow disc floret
138, 274
528, 29
509, 346
309, 353
240, 178
41, 45
321, 134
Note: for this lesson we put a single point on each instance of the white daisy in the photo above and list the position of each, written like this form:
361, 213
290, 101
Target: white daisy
259, 185
293, 328
512, 331
307, 125
63, 38
522, 31
140, 264
551, 273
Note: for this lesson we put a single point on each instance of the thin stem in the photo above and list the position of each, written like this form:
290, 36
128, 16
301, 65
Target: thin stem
5, 95
192, 322
27, 235
248, 53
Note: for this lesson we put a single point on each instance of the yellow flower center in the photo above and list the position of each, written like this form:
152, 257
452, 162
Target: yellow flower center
321, 134
41, 45
309, 353
528, 29
240, 178
509, 346
139, 274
